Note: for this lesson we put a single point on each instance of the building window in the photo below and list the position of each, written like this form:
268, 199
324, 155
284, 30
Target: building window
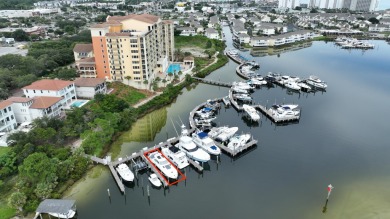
133, 40
34, 91
134, 46
100, 33
134, 57
134, 51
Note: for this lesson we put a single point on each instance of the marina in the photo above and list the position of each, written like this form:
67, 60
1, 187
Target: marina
282, 172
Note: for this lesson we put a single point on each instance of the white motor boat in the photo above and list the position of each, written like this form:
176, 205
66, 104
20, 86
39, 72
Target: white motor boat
239, 90
203, 141
242, 85
252, 112
304, 87
163, 164
178, 158
286, 111
292, 85
316, 82
243, 97
125, 172
215, 131
238, 141
273, 77
257, 82
154, 180
227, 133
71, 213
191, 150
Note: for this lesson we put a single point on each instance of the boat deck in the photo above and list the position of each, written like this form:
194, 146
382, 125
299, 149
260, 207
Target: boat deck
265, 111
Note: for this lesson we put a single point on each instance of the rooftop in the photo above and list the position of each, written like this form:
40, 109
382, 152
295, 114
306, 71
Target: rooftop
44, 102
59, 206
48, 84
88, 82
83, 48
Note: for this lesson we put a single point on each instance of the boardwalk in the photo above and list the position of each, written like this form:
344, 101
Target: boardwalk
117, 178
239, 72
218, 83
275, 119
195, 164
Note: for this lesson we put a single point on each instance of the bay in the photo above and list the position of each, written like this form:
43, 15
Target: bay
342, 138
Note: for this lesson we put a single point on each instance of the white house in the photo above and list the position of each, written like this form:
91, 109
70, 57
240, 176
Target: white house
46, 106
21, 108
211, 33
378, 28
52, 88
187, 31
88, 87
259, 41
244, 38
7, 117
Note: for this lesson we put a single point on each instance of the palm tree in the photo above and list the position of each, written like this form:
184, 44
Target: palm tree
164, 81
128, 78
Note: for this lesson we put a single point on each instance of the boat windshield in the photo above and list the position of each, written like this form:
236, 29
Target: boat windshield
168, 167
192, 149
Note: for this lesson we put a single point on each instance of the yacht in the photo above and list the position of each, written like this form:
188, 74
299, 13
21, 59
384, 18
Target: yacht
257, 82
178, 158
285, 111
239, 90
292, 85
191, 150
242, 85
70, 214
232, 52
253, 64
238, 141
243, 97
202, 140
227, 133
304, 87
215, 131
154, 180
163, 165
125, 172
316, 82
273, 77
252, 112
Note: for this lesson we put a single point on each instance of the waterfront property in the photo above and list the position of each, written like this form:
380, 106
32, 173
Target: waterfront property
132, 48
173, 68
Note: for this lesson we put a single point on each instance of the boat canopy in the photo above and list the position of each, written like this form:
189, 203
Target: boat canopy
202, 134
56, 206
207, 109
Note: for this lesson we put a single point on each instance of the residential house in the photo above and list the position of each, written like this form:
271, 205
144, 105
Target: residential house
87, 88
379, 28
187, 31
7, 117
52, 88
214, 22
211, 33
244, 38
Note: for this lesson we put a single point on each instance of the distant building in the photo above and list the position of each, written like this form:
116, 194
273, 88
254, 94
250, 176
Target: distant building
353, 5
288, 4
7, 117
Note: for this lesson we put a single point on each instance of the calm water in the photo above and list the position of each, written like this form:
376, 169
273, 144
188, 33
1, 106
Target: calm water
342, 138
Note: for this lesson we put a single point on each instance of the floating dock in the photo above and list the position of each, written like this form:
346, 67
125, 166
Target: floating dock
238, 151
233, 101
266, 112
239, 72
212, 82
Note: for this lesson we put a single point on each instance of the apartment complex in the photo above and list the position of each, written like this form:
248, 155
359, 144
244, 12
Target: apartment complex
288, 3
128, 48
353, 5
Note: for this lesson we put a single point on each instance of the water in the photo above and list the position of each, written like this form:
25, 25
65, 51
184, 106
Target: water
173, 68
342, 138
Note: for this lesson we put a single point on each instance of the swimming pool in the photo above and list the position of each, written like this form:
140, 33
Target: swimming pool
78, 103
173, 68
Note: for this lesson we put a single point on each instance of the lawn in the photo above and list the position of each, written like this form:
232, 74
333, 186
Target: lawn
6, 212
198, 41
4, 150
129, 94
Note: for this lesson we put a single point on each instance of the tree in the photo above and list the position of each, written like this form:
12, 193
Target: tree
17, 200
373, 20
20, 35
164, 81
209, 44
128, 78
37, 167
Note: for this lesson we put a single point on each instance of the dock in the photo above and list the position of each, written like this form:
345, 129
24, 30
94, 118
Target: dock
226, 101
233, 101
238, 151
212, 82
195, 164
238, 59
192, 114
118, 180
239, 72
266, 112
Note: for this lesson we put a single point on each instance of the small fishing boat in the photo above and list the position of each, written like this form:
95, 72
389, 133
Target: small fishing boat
154, 180
125, 172
227, 133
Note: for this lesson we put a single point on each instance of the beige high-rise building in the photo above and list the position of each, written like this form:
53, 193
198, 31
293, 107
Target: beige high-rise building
132, 48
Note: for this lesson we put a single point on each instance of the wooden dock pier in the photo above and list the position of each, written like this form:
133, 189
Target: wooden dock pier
266, 112
239, 72
195, 164
233, 101
117, 178
239, 150
212, 82
154, 169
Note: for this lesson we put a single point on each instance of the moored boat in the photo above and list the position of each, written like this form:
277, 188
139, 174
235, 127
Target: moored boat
163, 164
203, 141
125, 172
154, 180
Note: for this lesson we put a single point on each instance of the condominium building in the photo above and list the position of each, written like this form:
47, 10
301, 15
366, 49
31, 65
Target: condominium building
7, 117
288, 3
353, 5
131, 48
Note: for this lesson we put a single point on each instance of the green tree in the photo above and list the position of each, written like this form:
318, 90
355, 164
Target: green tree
17, 200
20, 35
43, 190
209, 44
128, 78
37, 167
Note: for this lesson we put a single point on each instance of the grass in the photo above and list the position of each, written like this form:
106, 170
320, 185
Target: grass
6, 212
198, 41
4, 150
129, 94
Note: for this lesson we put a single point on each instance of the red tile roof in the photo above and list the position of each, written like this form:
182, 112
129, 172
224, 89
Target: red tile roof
5, 103
44, 102
19, 99
148, 18
83, 48
48, 84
